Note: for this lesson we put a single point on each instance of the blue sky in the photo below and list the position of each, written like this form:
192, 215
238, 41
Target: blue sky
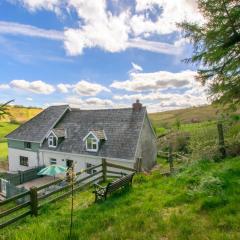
97, 54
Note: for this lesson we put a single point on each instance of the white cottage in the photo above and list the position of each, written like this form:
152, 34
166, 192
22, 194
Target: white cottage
64, 135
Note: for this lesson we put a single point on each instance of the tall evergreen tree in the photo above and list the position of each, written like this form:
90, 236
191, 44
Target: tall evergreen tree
216, 48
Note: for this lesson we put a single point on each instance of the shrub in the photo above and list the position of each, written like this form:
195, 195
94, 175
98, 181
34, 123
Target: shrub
179, 141
211, 185
13, 121
213, 202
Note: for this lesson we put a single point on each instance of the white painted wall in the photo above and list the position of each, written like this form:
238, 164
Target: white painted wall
80, 161
14, 159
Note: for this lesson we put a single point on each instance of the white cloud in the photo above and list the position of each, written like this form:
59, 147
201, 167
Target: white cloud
4, 86
112, 31
89, 103
171, 12
51, 5
153, 46
83, 88
38, 86
29, 99
28, 30
136, 68
64, 88
156, 80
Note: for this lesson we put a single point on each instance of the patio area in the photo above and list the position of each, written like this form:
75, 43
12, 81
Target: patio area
38, 182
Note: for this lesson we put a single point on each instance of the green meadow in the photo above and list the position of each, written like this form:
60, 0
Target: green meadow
200, 202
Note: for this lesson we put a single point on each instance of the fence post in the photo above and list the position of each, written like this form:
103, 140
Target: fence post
104, 168
221, 139
34, 201
138, 165
170, 158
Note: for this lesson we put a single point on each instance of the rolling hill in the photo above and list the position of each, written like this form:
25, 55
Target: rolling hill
20, 114
187, 115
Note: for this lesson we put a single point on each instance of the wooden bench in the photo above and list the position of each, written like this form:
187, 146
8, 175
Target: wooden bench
101, 192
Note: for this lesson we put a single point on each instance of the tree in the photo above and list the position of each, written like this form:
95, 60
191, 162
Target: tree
4, 109
216, 49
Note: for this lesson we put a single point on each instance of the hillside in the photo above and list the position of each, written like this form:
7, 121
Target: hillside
187, 115
20, 114
201, 202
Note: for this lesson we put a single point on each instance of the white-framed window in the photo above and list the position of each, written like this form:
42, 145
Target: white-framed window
88, 165
52, 141
23, 161
91, 144
52, 161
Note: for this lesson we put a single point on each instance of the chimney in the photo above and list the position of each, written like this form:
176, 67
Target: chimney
137, 105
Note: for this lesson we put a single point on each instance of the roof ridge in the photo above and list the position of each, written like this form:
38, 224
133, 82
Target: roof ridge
103, 109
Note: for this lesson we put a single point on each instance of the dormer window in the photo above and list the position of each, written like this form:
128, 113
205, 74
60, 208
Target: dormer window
91, 143
56, 136
52, 141
93, 140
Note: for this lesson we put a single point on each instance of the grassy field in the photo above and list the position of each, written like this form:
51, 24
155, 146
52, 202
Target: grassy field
5, 128
199, 114
201, 202
20, 114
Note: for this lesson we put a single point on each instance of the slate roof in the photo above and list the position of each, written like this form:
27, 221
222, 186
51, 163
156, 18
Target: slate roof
99, 133
37, 128
121, 126
59, 132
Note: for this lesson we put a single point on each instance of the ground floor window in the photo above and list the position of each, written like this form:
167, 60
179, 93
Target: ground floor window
24, 161
88, 165
53, 161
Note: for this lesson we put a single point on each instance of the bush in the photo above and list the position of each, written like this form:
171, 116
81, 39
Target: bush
203, 143
210, 185
179, 141
13, 121
213, 202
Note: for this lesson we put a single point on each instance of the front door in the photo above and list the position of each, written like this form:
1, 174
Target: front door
69, 163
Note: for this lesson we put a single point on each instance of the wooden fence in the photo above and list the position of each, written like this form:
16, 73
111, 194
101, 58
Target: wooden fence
29, 202
22, 176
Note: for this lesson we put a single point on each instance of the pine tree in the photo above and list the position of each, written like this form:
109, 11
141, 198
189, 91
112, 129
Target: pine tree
216, 49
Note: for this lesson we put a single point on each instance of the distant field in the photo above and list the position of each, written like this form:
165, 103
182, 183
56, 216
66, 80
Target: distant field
5, 128
188, 115
20, 114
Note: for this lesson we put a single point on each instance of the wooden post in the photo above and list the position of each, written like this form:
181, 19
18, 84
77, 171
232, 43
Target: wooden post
104, 167
222, 148
34, 201
170, 158
139, 165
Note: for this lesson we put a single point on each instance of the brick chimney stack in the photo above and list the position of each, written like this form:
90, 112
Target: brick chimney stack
137, 105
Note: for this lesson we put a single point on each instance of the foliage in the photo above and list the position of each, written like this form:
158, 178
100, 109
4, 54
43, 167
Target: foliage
179, 141
216, 45
4, 109
155, 208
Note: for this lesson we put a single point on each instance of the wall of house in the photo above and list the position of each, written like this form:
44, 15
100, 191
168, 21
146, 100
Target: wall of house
80, 161
14, 159
20, 145
16, 149
147, 147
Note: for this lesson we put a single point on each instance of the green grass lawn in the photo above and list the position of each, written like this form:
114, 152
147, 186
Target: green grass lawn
201, 202
5, 128
3, 151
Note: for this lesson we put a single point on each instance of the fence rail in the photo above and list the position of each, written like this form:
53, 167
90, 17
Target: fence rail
36, 200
